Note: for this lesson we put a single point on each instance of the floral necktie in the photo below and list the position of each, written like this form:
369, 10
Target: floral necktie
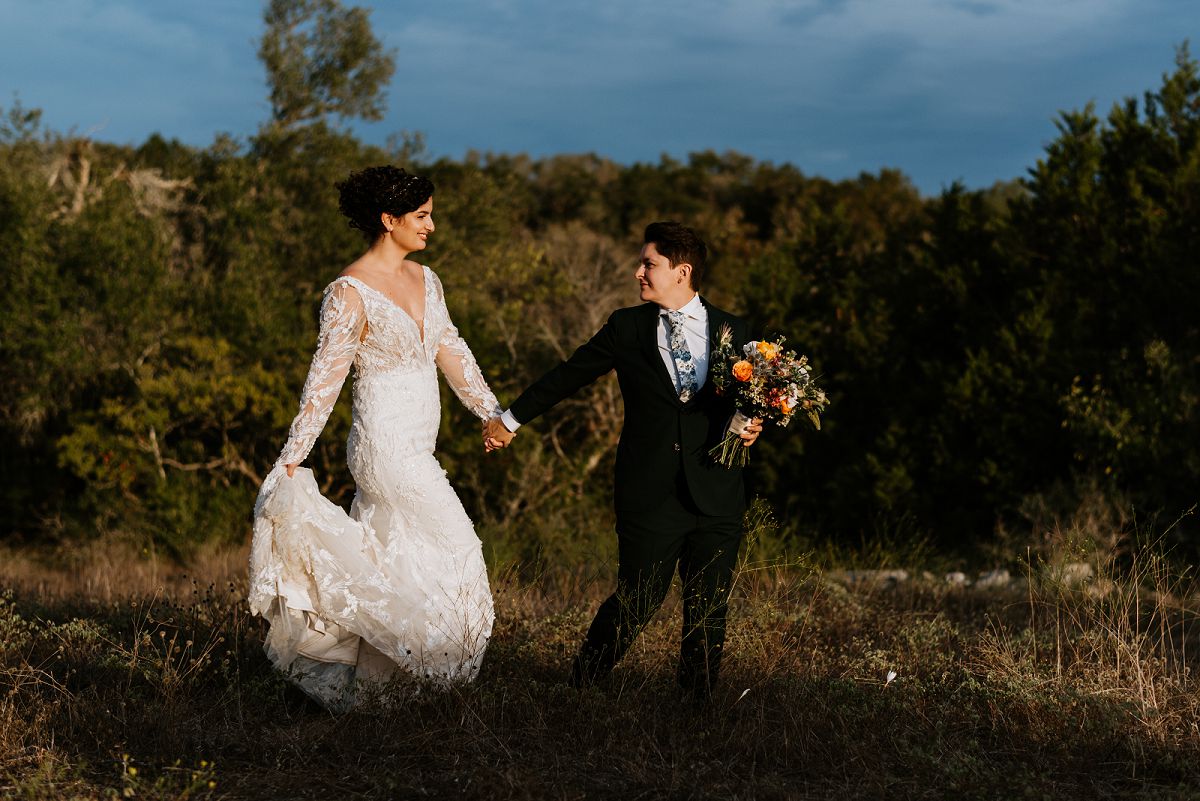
685, 365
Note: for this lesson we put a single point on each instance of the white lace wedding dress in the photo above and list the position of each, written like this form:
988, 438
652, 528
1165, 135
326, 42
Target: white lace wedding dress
400, 581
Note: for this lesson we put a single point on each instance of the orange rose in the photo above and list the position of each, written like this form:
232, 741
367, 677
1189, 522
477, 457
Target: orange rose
785, 407
743, 370
769, 350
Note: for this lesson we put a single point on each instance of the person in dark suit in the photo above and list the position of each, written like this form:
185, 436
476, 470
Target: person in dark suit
674, 504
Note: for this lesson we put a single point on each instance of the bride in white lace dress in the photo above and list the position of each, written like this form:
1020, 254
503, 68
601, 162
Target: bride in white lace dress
400, 582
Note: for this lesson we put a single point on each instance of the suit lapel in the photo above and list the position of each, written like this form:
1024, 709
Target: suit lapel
648, 335
716, 318
714, 328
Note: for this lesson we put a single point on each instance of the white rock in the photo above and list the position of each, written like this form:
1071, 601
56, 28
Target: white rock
857, 578
993, 579
1075, 573
957, 578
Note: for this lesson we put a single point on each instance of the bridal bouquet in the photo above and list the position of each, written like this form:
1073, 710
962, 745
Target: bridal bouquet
765, 381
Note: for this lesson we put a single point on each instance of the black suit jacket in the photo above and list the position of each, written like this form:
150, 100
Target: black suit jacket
662, 437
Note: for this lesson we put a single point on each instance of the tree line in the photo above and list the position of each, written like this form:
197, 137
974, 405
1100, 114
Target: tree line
984, 350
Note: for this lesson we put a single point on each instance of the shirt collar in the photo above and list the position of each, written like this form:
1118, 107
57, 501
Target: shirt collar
694, 308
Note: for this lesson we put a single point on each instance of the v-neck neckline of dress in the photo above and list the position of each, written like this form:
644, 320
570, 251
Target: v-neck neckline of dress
424, 300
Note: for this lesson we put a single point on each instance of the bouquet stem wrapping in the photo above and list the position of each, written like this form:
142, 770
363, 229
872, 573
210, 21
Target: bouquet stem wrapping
731, 451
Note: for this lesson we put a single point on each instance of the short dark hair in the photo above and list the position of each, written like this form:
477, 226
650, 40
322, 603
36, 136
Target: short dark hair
679, 244
367, 194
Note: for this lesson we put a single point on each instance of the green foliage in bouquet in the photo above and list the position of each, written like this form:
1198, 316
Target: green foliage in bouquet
766, 382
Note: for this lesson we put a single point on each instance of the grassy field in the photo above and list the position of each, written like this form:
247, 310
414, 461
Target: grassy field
123, 677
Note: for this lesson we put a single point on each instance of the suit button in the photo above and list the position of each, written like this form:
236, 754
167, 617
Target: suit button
677, 447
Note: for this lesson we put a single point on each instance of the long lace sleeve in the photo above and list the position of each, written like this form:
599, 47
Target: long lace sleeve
462, 372
343, 317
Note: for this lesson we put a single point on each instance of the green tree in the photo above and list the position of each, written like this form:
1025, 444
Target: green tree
1110, 224
322, 59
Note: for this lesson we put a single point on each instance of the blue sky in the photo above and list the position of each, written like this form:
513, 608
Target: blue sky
944, 90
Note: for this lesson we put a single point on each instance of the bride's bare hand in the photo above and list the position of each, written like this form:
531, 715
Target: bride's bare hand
291, 469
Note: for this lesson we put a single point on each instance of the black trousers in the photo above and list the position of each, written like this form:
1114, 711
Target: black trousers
651, 544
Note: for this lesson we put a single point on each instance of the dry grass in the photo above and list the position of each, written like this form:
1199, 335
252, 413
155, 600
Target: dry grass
122, 676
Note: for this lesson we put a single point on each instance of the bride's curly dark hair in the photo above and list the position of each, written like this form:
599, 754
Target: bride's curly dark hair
366, 194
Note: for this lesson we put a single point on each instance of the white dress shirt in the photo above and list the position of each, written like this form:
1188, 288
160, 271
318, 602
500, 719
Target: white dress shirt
695, 331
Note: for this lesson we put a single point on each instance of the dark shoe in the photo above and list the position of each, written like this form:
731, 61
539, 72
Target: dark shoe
697, 684
581, 679
298, 702
589, 669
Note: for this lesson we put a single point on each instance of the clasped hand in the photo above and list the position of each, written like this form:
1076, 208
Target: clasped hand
496, 435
